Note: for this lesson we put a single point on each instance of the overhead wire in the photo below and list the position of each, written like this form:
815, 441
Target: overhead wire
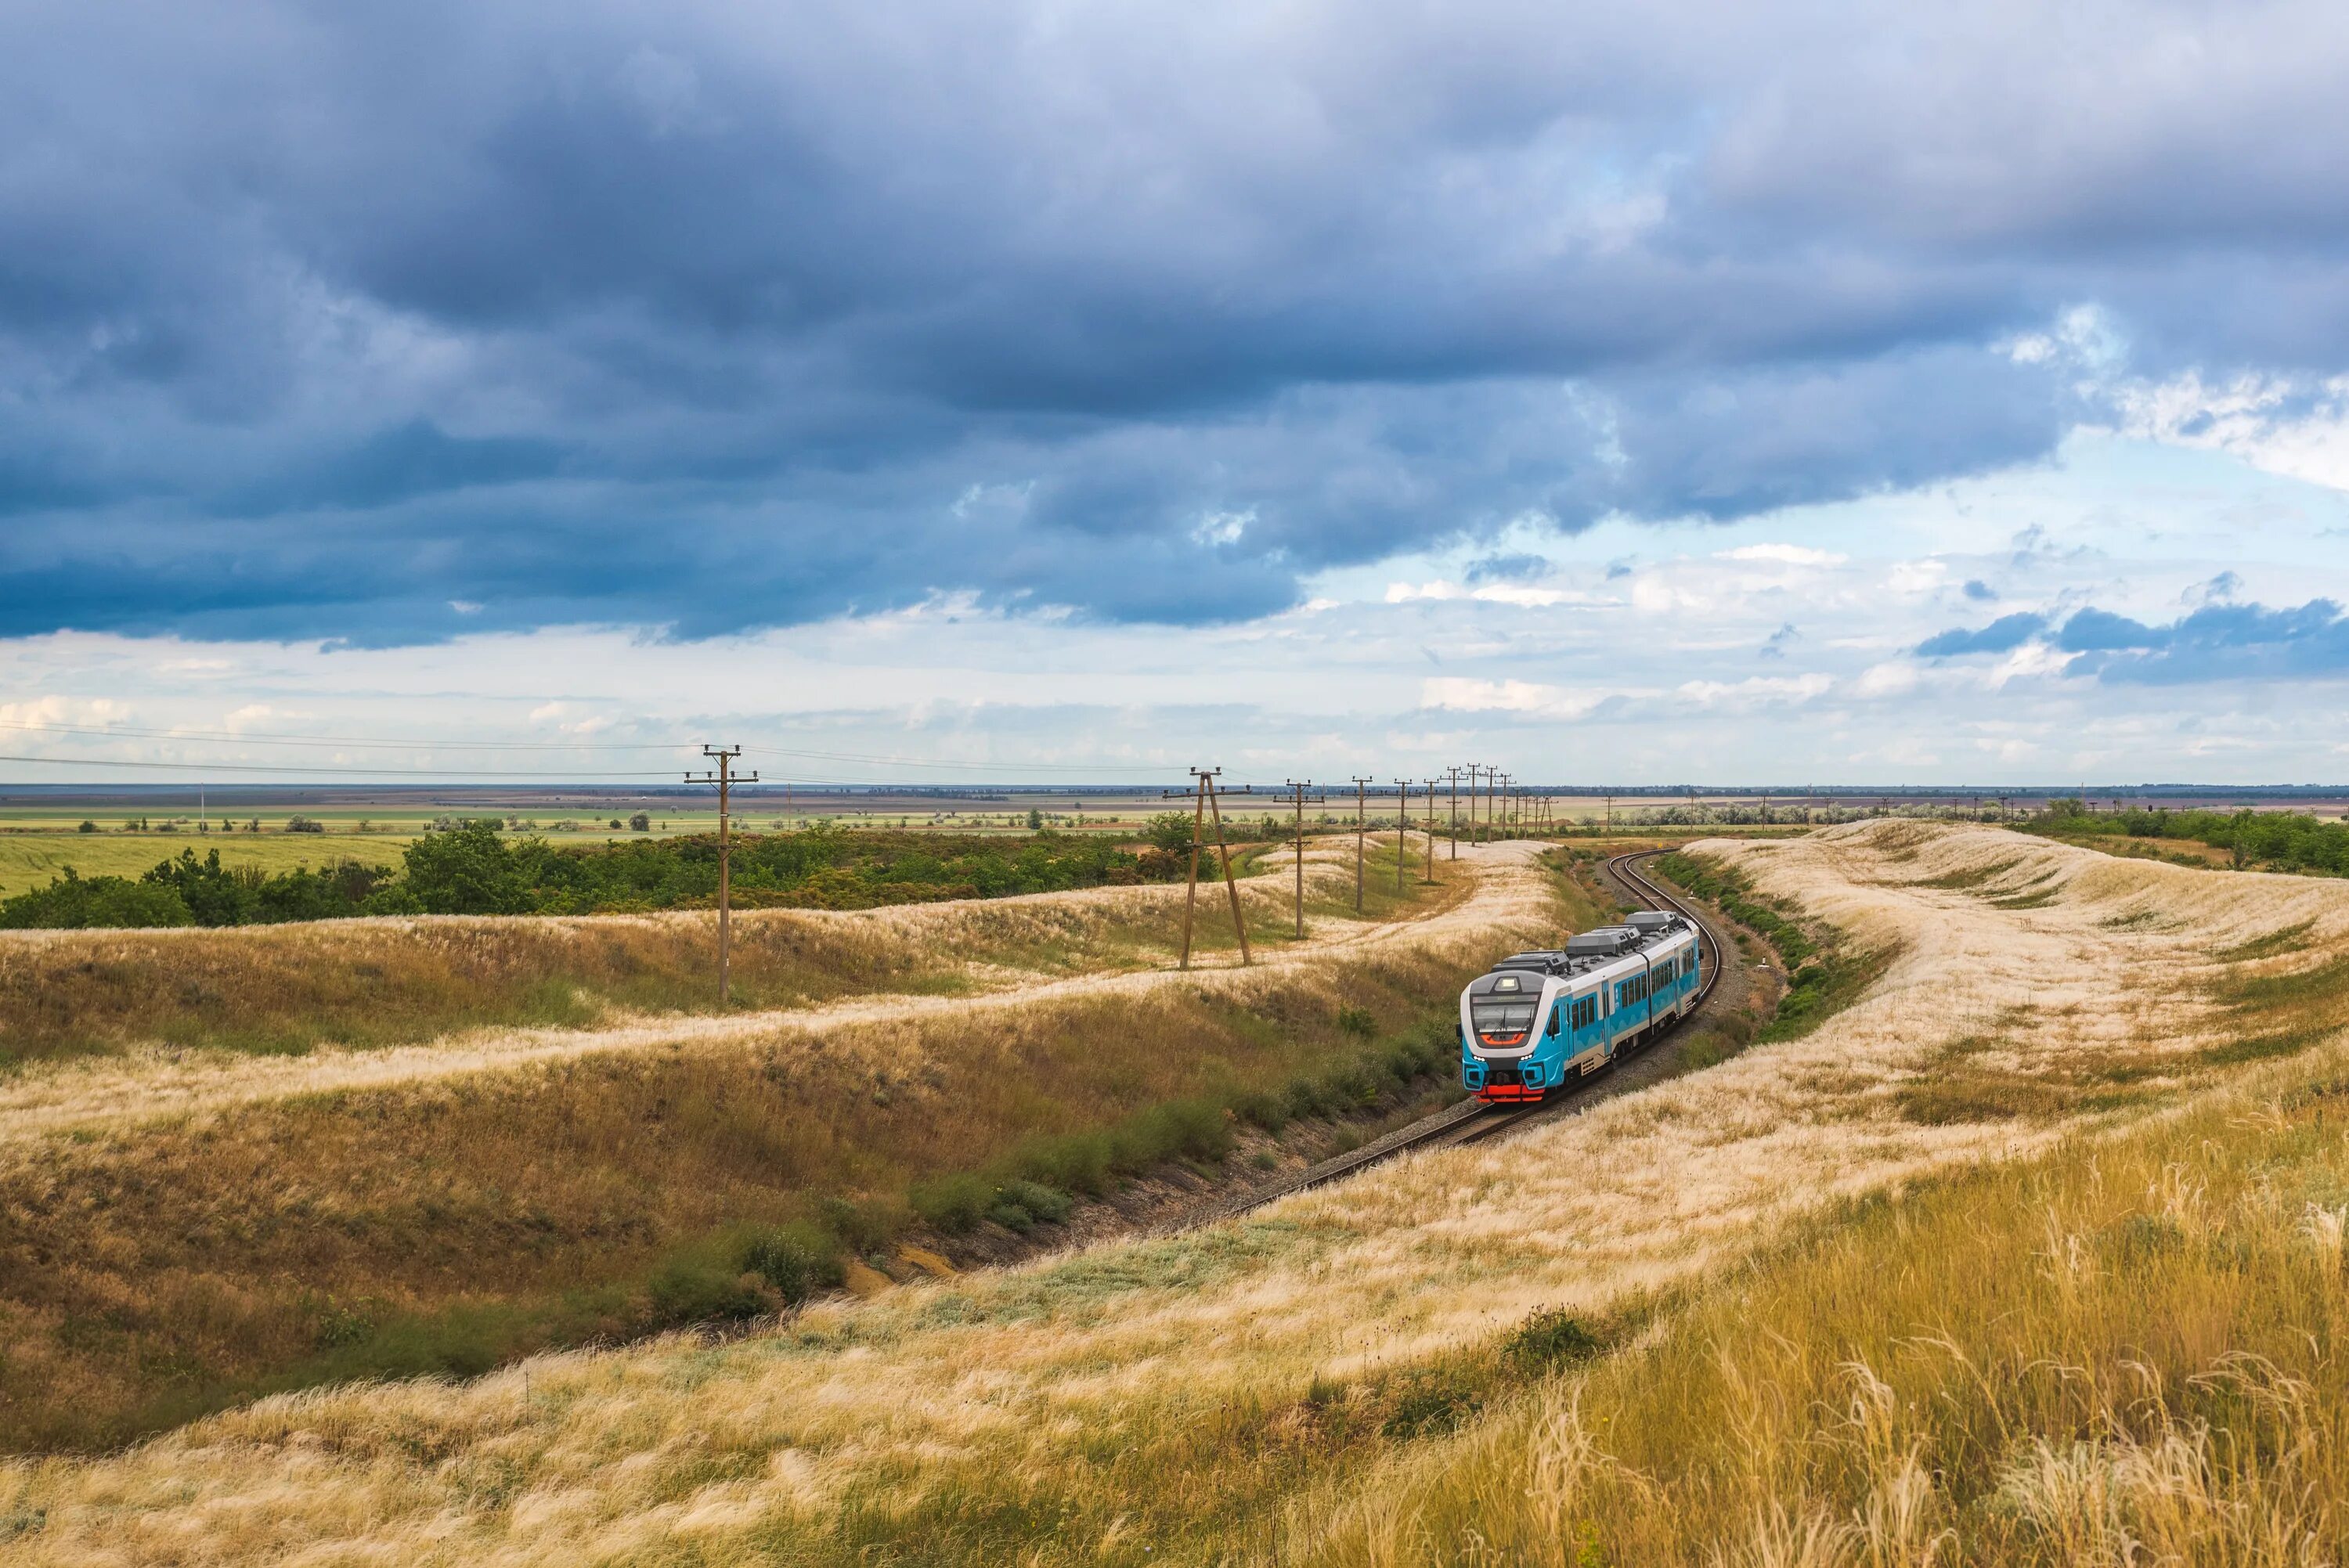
269, 738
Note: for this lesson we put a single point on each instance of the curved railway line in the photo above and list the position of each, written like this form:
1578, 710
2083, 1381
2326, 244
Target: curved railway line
1472, 1121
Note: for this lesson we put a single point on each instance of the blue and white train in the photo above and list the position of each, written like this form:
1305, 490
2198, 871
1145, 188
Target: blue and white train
1543, 1020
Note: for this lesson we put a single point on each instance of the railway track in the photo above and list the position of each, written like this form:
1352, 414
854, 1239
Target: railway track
1472, 1121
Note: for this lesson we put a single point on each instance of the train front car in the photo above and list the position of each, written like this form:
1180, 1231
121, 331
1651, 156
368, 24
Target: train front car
1508, 1050
1540, 1019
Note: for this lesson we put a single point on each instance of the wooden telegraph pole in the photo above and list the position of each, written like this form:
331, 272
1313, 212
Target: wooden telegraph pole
1427, 871
1455, 814
1298, 788
1204, 797
1360, 825
725, 778
1403, 829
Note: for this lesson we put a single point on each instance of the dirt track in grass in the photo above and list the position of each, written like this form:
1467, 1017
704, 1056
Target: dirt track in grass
1505, 891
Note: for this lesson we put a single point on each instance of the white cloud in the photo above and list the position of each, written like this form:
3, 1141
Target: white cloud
1460, 694
1755, 689
1786, 554
1515, 594
1222, 527
2279, 424
1889, 680
1913, 577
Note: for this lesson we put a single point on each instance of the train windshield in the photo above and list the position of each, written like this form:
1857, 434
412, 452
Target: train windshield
1504, 1022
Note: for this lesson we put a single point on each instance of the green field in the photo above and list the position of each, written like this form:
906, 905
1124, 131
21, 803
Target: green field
29, 860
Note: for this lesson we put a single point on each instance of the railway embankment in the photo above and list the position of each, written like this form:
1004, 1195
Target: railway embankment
184, 1228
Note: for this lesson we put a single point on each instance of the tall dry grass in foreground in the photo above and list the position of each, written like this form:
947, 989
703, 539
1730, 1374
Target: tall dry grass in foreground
2130, 1351
1171, 1400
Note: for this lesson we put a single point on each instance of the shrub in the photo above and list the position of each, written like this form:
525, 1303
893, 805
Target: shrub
86, 826
1430, 1402
74, 901
1357, 1022
1549, 1338
952, 1203
297, 823
1045, 1205
861, 1227
698, 1290
795, 1260
641, 822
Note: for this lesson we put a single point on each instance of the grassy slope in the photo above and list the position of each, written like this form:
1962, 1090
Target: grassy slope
386, 982
149, 1271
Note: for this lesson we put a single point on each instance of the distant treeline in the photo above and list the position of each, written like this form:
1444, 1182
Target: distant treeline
2287, 841
473, 868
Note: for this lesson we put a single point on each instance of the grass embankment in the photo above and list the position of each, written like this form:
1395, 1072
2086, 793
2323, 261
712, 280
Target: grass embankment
2128, 1352
150, 1269
1824, 971
372, 983
154, 1272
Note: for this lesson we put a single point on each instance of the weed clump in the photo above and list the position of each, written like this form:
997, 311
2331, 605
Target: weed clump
1549, 1338
1432, 1401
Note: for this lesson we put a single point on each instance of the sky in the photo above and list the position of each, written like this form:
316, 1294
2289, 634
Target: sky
1689, 392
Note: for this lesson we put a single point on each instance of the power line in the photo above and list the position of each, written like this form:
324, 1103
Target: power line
376, 774
279, 738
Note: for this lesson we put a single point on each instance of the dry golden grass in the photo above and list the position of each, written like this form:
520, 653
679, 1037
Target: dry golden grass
876, 967
1181, 1394
176, 1232
368, 984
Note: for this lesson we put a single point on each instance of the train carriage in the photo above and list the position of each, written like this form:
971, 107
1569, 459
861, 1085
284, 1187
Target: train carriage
1541, 1019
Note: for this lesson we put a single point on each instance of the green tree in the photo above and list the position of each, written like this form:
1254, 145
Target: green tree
86, 826
469, 869
1170, 831
74, 901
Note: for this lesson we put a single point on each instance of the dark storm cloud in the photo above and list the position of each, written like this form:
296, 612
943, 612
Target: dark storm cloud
315, 319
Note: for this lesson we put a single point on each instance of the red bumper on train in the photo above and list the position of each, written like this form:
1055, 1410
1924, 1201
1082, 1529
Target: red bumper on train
1508, 1093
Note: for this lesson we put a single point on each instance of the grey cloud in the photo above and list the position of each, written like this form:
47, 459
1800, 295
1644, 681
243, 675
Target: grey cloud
710, 318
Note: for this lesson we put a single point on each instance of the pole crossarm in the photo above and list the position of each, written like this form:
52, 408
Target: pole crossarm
1206, 794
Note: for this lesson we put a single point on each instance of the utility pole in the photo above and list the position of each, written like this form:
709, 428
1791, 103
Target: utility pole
1455, 814
1205, 802
1427, 871
725, 778
1360, 825
1402, 831
1298, 788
